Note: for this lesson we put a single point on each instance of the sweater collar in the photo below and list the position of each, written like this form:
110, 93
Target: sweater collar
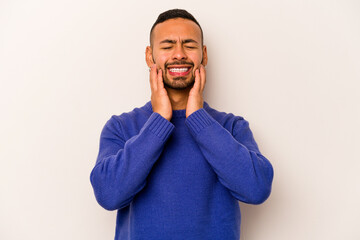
175, 113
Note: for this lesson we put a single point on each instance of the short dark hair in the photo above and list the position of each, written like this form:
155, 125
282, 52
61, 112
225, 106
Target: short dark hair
175, 13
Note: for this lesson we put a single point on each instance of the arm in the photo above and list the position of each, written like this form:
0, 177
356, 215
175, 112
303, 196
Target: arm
235, 157
122, 166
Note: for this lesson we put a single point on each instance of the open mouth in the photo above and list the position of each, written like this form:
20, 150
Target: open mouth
179, 70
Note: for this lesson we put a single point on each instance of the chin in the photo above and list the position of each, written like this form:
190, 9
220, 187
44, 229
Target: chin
178, 83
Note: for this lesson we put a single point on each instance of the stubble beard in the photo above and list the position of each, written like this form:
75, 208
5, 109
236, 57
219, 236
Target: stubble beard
178, 83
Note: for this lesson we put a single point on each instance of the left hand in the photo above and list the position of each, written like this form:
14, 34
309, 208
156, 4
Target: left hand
195, 99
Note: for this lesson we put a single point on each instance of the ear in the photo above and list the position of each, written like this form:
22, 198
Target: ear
148, 56
205, 57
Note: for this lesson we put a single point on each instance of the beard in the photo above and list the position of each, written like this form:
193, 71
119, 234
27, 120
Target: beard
178, 83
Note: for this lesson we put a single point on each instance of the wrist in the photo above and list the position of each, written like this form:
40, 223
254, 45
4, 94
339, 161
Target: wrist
167, 116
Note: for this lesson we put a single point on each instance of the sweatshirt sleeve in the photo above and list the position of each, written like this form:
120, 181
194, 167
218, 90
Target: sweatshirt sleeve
235, 156
122, 166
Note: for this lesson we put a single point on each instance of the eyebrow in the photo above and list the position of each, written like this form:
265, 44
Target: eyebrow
174, 41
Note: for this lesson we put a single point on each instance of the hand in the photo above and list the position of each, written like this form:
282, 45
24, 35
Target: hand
195, 99
159, 98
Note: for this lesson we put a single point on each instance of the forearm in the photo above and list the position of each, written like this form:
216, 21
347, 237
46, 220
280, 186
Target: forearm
246, 173
119, 176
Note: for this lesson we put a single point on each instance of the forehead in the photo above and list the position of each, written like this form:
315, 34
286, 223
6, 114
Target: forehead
175, 29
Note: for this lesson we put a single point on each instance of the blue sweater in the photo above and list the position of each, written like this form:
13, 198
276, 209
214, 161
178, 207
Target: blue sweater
179, 179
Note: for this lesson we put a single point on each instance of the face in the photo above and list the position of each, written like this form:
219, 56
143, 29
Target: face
178, 51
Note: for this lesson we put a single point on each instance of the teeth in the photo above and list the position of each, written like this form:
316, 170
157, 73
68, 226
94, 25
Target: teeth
179, 70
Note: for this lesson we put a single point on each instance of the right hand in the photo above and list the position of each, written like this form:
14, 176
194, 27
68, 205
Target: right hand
160, 100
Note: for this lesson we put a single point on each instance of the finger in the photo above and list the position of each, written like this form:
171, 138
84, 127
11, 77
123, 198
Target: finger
197, 83
202, 77
153, 77
160, 83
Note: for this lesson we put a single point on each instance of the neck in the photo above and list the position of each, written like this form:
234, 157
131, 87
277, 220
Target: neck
178, 98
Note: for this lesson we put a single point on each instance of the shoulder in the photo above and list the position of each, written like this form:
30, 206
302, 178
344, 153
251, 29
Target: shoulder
134, 115
237, 126
129, 123
225, 119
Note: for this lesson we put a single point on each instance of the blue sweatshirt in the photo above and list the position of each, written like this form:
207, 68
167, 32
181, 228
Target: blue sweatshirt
179, 179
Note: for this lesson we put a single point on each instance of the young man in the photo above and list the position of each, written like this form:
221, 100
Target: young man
176, 168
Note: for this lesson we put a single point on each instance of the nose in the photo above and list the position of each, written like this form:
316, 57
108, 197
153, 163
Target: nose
179, 53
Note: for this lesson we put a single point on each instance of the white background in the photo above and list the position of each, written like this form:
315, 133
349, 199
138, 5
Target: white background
291, 68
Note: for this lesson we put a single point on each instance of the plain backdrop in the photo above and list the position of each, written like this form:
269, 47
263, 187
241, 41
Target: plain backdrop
291, 68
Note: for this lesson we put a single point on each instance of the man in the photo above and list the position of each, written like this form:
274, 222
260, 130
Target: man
176, 168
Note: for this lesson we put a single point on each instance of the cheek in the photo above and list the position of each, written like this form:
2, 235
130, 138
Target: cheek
196, 58
161, 60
